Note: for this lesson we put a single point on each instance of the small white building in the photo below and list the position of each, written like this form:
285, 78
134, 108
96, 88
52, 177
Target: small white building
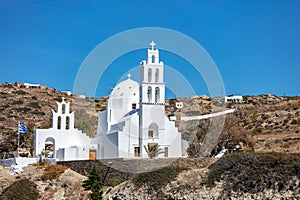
135, 116
66, 142
233, 99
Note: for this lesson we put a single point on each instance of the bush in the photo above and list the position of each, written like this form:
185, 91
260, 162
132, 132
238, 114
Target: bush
53, 172
17, 102
94, 183
21, 189
158, 178
21, 92
34, 104
254, 173
114, 181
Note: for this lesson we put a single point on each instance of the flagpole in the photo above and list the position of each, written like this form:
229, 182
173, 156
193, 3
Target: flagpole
18, 139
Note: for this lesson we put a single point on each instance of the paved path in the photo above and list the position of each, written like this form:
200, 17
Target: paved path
188, 118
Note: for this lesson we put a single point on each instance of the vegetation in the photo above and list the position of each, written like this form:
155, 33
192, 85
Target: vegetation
20, 92
23, 189
153, 150
17, 102
158, 178
114, 181
34, 104
253, 173
53, 172
94, 183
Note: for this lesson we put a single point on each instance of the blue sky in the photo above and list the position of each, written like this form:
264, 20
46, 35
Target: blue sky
255, 44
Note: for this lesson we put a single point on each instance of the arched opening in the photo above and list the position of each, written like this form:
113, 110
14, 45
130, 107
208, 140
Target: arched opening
156, 75
149, 75
153, 130
67, 123
63, 108
149, 93
50, 147
153, 59
157, 95
59, 122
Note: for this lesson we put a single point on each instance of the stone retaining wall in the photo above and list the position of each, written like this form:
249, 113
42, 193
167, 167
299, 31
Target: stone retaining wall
122, 169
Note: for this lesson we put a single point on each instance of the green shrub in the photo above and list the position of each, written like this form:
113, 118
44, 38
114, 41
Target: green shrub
36, 112
21, 92
193, 113
94, 183
18, 102
34, 104
114, 181
2, 119
158, 178
23, 109
257, 131
59, 99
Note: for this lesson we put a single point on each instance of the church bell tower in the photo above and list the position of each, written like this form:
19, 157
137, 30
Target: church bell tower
152, 99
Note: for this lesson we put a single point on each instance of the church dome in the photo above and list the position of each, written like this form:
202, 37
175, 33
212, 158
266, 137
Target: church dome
125, 89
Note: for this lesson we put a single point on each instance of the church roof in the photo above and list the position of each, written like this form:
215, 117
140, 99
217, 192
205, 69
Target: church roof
125, 89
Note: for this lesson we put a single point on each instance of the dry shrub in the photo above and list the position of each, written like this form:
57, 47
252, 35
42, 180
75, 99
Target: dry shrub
53, 172
22, 189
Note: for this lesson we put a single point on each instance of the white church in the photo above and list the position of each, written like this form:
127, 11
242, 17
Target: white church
133, 120
66, 142
135, 116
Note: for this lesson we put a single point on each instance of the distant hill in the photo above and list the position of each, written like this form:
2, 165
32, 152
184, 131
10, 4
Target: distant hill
263, 123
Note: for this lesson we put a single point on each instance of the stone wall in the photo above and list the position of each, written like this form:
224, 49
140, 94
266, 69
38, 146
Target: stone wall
119, 168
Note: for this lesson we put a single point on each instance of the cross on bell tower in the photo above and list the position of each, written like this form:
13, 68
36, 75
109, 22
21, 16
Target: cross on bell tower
152, 44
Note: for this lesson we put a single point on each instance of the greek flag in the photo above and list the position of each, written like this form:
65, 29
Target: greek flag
22, 128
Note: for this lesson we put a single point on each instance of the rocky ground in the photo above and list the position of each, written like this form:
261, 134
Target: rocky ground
66, 186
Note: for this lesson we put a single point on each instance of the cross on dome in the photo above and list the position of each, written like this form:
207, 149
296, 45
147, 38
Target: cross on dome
128, 75
152, 44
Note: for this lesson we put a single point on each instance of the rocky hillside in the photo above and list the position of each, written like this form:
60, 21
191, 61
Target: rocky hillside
33, 107
235, 176
263, 123
42, 182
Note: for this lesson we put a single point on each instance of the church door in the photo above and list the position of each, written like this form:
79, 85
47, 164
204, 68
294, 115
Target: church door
92, 154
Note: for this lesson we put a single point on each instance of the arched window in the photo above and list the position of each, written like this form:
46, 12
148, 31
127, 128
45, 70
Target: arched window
156, 75
153, 59
59, 122
67, 123
153, 131
149, 75
149, 93
157, 94
63, 109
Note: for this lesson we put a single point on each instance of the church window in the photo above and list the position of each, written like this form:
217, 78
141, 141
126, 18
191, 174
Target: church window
153, 131
157, 95
149, 93
59, 122
67, 122
166, 152
151, 134
149, 75
153, 59
156, 75
133, 106
63, 108
136, 151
